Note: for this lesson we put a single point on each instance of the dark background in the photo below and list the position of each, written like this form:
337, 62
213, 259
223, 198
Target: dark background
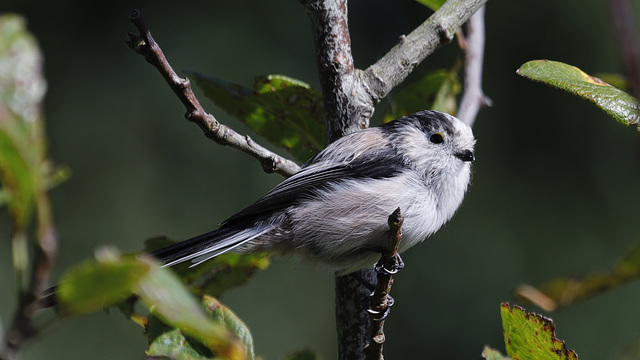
555, 186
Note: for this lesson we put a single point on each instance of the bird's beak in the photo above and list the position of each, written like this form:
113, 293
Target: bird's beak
466, 155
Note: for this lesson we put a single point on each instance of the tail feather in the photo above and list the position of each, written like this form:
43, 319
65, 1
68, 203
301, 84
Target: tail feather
206, 246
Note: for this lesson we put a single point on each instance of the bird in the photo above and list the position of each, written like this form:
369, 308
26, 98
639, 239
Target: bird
334, 211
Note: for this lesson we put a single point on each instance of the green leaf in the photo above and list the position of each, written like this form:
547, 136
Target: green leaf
432, 4
172, 344
615, 102
111, 279
436, 91
167, 341
22, 143
529, 336
567, 290
489, 353
167, 298
223, 315
285, 111
96, 285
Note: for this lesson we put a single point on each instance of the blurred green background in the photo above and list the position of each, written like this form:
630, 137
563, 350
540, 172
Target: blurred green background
555, 188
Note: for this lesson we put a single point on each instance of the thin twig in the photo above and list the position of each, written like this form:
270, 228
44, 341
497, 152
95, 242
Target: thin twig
473, 97
625, 27
380, 301
145, 45
439, 29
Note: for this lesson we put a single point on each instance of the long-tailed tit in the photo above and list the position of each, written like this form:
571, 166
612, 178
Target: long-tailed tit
334, 211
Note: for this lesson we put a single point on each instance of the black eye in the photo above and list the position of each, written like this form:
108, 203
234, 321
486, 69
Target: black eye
436, 138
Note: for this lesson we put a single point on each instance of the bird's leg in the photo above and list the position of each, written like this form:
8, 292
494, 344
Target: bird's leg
389, 264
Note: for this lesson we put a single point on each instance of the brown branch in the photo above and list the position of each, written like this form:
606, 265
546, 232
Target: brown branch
625, 27
345, 100
473, 45
144, 44
380, 301
348, 109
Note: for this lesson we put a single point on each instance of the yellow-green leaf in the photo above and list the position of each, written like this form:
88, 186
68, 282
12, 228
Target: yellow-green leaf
168, 299
615, 102
112, 279
432, 4
529, 336
223, 315
567, 290
96, 285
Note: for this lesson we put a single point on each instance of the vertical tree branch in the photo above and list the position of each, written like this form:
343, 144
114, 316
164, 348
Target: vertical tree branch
473, 97
626, 32
349, 98
346, 111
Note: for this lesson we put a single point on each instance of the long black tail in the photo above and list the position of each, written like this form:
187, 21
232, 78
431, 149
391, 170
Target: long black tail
206, 246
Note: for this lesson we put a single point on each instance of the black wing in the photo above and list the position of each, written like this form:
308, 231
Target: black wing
318, 175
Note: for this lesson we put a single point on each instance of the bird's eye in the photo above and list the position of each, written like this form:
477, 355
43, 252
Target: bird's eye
436, 138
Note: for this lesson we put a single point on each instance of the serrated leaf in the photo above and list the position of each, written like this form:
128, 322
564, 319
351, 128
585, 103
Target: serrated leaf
167, 298
171, 345
489, 353
231, 321
432, 4
285, 111
567, 290
529, 336
615, 102
167, 341
22, 143
436, 91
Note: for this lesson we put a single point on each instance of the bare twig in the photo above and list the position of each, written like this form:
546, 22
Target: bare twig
626, 32
380, 301
440, 28
473, 97
144, 45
